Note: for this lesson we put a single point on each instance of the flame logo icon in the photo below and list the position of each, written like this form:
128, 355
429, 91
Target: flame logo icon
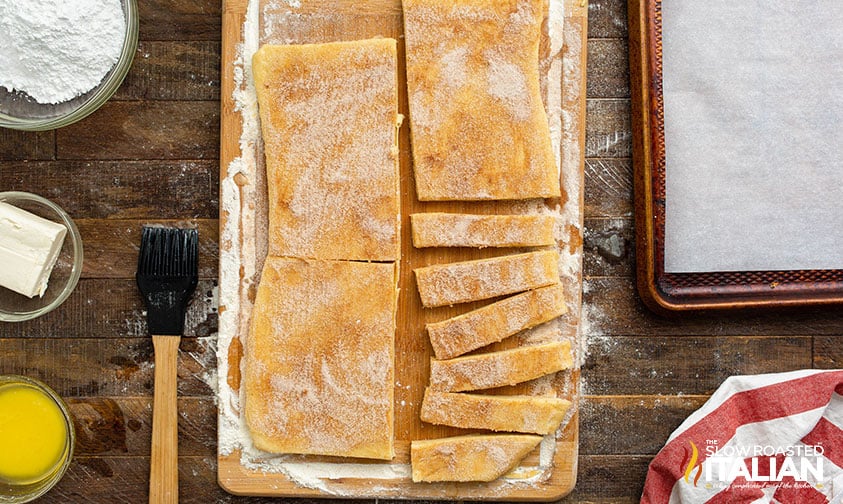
691, 463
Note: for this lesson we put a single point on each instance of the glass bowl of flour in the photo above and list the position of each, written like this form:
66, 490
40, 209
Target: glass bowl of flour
60, 60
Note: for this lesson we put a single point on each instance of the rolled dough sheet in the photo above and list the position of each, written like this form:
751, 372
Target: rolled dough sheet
479, 128
319, 359
329, 118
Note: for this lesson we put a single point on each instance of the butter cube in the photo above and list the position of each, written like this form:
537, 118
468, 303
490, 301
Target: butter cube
29, 247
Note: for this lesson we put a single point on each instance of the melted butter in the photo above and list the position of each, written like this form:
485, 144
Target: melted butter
33, 434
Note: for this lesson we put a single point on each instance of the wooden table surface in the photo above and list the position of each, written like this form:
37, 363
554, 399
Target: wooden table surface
150, 155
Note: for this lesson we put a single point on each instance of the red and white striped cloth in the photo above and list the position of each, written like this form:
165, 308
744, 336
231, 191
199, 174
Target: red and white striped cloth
775, 438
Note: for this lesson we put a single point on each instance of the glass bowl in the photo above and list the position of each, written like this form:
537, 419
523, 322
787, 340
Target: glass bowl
19, 111
16, 307
26, 492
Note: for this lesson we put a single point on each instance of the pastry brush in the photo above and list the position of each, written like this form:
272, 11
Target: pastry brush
167, 276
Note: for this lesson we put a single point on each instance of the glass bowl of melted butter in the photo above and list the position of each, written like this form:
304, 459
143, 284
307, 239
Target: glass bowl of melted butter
62, 65
36, 438
40, 253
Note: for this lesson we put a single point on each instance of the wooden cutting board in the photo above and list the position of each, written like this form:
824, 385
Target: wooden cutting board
547, 474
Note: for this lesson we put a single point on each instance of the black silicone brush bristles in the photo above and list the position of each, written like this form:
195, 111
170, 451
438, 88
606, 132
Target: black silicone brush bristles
167, 276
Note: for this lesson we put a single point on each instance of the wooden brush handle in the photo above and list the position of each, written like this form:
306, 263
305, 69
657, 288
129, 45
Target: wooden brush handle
164, 470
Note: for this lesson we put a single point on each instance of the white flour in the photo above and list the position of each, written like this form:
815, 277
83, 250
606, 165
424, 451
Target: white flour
56, 50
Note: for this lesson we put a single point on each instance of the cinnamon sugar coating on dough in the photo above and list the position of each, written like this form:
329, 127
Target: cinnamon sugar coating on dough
478, 125
461, 282
499, 369
318, 375
464, 230
522, 413
496, 321
478, 457
329, 119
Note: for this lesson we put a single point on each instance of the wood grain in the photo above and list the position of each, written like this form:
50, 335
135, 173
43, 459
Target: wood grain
179, 20
608, 128
173, 71
117, 426
26, 144
113, 308
607, 19
164, 473
610, 479
634, 424
828, 352
117, 367
685, 366
121, 240
126, 480
150, 130
122, 426
608, 69
608, 187
147, 189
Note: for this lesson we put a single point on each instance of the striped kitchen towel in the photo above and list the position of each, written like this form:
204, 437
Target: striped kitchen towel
775, 438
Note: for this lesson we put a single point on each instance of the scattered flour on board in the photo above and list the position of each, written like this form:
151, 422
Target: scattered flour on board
206, 353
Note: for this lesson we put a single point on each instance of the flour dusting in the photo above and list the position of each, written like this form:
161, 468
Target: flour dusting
594, 337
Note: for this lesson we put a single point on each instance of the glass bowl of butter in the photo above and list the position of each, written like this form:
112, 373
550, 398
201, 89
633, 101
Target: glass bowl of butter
40, 256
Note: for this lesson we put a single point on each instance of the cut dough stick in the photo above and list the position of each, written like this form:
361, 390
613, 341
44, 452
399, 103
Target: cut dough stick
523, 413
496, 321
464, 230
447, 284
329, 119
478, 457
319, 359
479, 128
498, 369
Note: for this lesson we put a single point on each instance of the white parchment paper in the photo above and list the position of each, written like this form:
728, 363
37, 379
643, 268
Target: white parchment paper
753, 102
